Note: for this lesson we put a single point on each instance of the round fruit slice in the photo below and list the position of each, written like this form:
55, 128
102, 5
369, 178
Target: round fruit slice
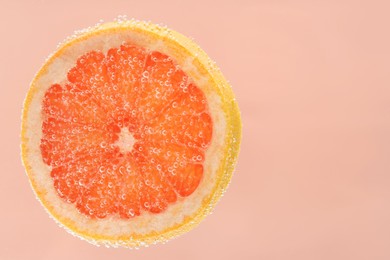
130, 134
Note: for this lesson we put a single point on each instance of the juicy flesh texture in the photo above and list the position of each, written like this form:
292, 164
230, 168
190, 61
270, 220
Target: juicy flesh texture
132, 95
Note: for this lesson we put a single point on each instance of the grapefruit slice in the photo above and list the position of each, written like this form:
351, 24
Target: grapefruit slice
130, 134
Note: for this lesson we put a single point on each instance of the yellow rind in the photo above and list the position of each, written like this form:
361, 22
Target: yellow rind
232, 142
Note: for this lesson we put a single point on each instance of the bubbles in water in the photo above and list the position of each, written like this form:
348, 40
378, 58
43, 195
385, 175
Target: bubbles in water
121, 19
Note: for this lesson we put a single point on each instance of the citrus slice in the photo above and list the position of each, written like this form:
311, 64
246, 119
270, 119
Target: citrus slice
130, 134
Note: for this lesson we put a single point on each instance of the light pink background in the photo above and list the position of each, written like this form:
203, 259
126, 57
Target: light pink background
313, 82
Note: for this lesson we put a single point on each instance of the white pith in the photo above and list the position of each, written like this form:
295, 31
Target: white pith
125, 140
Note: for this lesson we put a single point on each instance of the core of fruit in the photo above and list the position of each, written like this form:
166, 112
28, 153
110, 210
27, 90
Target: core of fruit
130, 134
